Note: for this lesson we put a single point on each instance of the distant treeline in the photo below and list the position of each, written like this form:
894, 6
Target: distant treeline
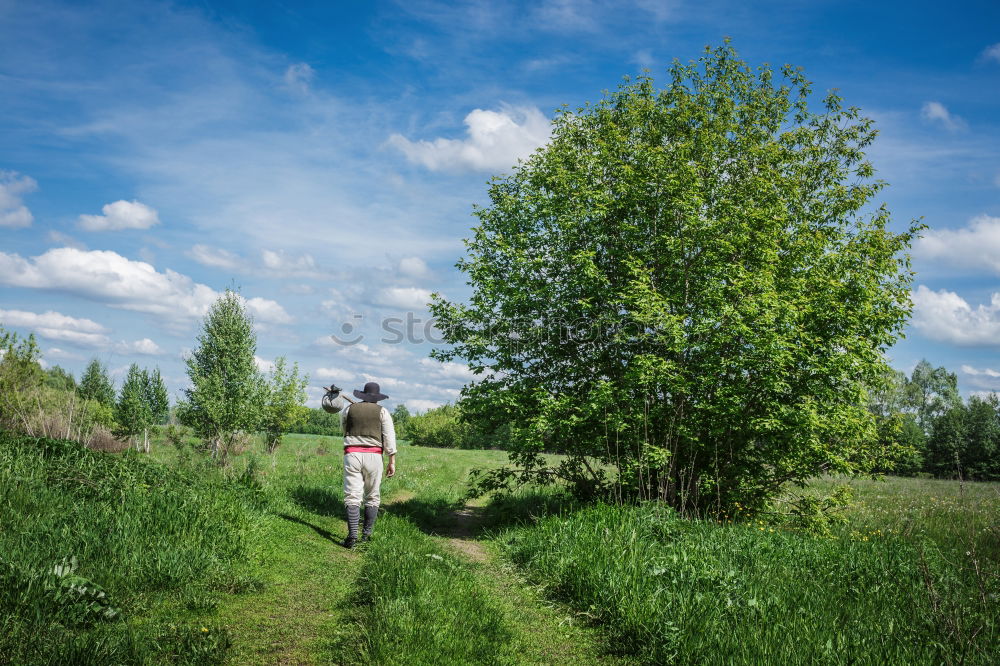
933, 431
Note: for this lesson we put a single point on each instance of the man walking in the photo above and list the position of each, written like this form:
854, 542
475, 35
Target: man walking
368, 434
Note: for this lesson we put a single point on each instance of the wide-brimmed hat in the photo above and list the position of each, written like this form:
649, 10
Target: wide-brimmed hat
372, 393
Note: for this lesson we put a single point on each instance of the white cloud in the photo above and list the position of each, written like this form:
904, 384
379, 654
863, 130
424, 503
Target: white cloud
985, 372
946, 317
57, 353
275, 263
447, 370
335, 374
145, 346
992, 52
79, 331
214, 257
263, 364
413, 267
49, 319
495, 141
13, 213
419, 405
985, 395
109, 278
985, 379
975, 246
282, 265
936, 112
120, 215
299, 76
407, 298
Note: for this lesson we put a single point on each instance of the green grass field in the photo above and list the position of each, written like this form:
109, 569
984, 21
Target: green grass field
167, 559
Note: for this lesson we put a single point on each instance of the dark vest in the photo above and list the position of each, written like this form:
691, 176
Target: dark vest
364, 419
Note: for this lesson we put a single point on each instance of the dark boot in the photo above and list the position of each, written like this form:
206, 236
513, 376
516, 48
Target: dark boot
353, 518
371, 513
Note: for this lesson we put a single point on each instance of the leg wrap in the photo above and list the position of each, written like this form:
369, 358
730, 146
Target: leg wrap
353, 518
371, 513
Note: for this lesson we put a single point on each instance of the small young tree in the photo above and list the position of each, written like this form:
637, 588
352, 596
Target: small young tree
689, 285
285, 403
157, 397
227, 393
133, 411
95, 384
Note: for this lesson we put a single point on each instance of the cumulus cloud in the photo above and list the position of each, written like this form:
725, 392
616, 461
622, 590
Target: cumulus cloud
413, 267
299, 76
947, 317
985, 372
275, 263
49, 319
495, 140
936, 112
213, 257
145, 346
118, 282
975, 246
992, 53
263, 364
447, 370
280, 264
334, 374
407, 298
120, 215
57, 353
13, 213
82, 332
420, 405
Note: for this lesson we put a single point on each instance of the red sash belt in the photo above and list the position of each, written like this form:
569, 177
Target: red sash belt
363, 449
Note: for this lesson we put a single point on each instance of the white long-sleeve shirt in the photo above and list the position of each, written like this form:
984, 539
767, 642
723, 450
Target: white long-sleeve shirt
388, 442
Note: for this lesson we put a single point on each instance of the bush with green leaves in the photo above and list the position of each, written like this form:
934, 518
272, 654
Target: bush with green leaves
691, 285
442, 427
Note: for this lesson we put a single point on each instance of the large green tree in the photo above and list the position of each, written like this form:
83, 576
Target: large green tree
95, 384
228, 392
689, 285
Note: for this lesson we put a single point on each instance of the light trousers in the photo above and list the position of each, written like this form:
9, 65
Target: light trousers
362, 478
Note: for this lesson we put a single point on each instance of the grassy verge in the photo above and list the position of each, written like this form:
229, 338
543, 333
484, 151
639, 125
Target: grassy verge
673, 590
90, 543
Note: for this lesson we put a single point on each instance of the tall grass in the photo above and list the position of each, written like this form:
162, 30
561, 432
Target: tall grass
673, 590
89, 542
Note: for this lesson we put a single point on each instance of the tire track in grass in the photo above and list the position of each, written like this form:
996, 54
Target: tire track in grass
300, 615
545, 632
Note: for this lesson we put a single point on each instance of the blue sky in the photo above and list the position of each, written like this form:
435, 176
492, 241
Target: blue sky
324, 158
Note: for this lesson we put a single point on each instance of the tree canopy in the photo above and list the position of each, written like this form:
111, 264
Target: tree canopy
689, 285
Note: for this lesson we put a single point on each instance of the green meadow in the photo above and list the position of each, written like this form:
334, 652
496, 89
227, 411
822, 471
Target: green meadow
166, 558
